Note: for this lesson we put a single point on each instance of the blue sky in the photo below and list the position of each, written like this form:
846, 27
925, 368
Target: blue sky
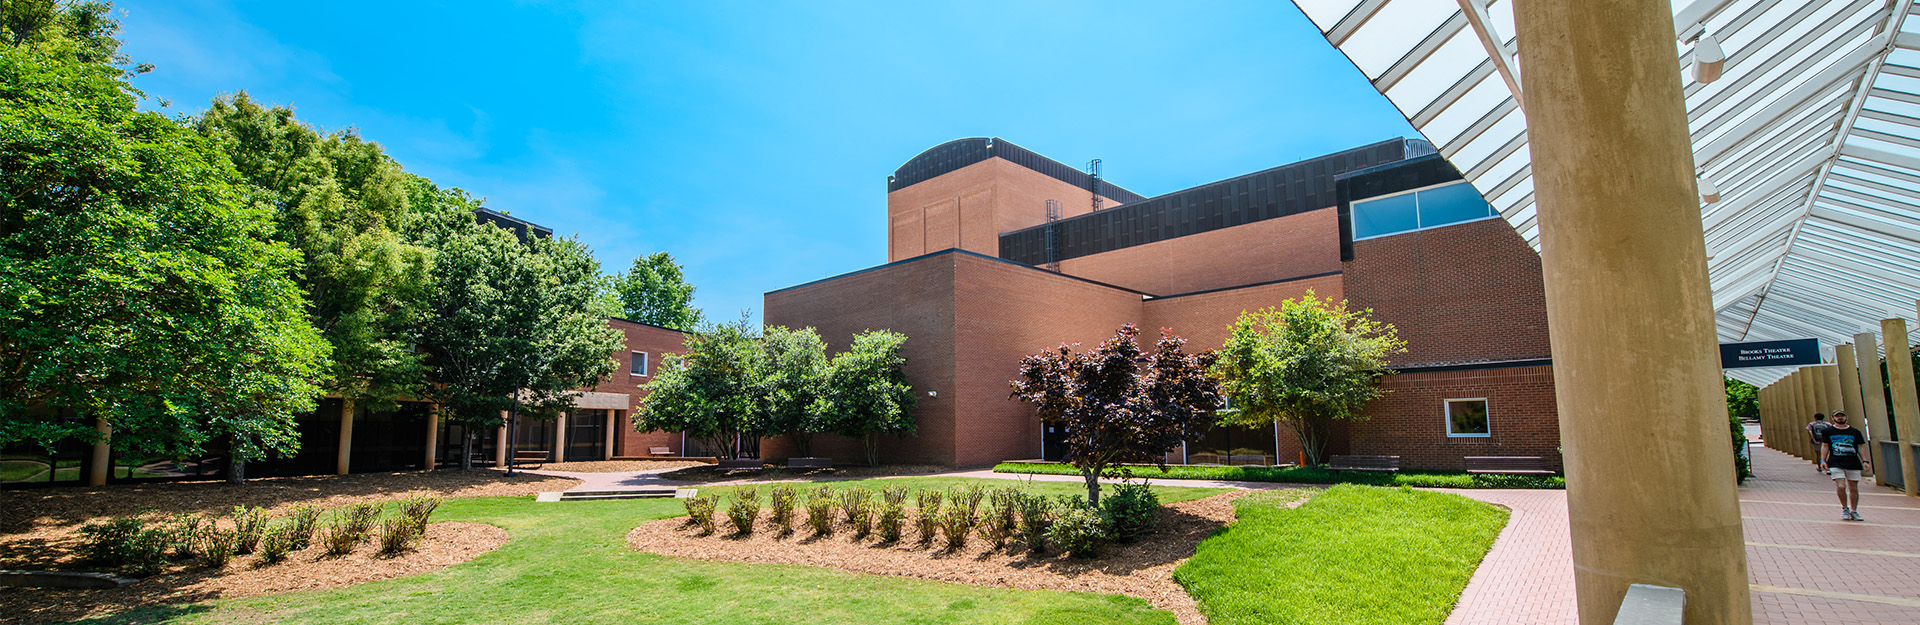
753, 140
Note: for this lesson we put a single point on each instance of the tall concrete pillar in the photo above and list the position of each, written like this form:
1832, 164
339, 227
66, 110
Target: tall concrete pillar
346, 437
560, 438
608, 453
102, 461
1809, 404
1796, 415
1872, 396
1830, 388
433, 438
1850, 393
1906, 406
500, 447
1766, 415
1633, 336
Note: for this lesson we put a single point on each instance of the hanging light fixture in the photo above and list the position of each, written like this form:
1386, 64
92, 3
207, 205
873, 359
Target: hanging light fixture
1708, 59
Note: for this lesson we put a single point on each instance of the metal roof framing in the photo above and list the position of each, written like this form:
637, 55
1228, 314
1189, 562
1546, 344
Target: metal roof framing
1812, 134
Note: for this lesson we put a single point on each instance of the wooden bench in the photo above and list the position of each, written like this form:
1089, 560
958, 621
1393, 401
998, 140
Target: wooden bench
738, 464
1516, 465
530, 456
809, 463
1379, 464
659, 451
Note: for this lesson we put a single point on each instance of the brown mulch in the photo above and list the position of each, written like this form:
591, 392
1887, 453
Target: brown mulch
711, 473
618, 466
1143, 569
444, 545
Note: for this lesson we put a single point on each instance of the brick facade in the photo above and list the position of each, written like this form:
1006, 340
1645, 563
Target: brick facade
1460, 293
655, 342
1410, 421
1262, 251
969, 207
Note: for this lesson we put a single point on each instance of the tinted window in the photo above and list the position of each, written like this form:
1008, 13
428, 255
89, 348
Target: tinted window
1467, 417
1451, 204
1387, 215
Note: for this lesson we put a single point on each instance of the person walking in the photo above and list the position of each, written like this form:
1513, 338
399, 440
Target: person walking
1815, 428
1840, 458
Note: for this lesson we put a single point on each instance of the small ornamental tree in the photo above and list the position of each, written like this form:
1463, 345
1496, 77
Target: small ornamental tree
792, 376
867, 394
711, 393
1118, 404
1304, 364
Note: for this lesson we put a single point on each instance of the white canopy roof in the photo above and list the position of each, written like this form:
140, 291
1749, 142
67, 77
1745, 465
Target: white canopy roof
1812, 136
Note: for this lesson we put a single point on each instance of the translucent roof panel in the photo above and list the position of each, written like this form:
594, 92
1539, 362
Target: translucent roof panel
1811, 133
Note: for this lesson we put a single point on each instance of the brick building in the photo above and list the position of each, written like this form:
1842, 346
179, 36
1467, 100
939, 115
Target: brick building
996, 252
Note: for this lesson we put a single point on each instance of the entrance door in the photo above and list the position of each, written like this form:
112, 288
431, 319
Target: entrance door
587, 435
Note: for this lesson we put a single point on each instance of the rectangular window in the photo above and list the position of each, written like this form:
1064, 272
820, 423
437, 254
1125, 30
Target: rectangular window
1467, 417
1385, 216
1407, 211
639, 363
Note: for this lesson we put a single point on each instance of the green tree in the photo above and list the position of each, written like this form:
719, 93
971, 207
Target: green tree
793, 370
1117, 404
866, 393
1743, 402
510, 325
711, 392
655, 291
1305, 364
136, 285
339, 201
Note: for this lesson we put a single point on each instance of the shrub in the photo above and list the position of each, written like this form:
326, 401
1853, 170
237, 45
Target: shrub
247, 525
893, 501
183, 535
359, 519
276, 543
956, 523
1003, 507
782, 497
1079, 530
1132, 511
419, 511
700, 512
398, 535
820, 511
969, 498
339, 537
926, 516
856, 504
300, 529
744, 509
216, 546
127, 543
1036, 516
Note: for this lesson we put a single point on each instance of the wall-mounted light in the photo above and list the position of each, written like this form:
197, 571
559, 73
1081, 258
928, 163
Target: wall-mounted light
1709, 192
933, 393
1708, 59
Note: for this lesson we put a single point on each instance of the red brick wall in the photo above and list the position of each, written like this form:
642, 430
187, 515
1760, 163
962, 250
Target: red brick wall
656, 342
1263, 251
1460, 293
1410, 421
969, 207
915, 298
1204, 319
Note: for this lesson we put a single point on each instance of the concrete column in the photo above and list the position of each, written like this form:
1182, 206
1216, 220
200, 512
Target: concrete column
500, 447
608, 449
1906, 407
560, 438
1633, 336
102, 461
433, 438
1796, 414
346, 437
1830, 386
1873, 395
1766, 414
1809, 404
1850, 393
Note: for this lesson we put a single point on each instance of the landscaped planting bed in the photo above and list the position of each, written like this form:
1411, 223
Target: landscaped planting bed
710, 473
1352, 555
1308, 475
976, 534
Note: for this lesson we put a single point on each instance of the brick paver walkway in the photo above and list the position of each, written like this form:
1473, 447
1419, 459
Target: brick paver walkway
1527, 578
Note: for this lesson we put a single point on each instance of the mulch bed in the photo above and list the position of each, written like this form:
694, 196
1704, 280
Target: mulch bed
1143, 569
445, 544
616, 466
708, 473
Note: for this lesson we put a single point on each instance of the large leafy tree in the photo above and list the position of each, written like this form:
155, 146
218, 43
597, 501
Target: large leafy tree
792, 372
655, 291
1117, 403
866, 393
339, 201
711, 392
1305, 364
136, 284
510, 326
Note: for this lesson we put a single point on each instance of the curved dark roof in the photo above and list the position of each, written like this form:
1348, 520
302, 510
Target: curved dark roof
958, 153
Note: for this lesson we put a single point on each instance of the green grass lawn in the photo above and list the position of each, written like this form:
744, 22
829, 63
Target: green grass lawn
22, 470
1304, 475
569, 563
1353, 555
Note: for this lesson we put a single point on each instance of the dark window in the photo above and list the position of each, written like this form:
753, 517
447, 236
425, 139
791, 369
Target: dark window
1467, 417
639, 363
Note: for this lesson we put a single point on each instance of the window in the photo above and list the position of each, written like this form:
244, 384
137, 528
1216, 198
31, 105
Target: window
1420, 209
1467, 417
639, 363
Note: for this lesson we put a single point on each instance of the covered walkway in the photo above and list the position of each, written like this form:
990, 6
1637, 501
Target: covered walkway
1808, 566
